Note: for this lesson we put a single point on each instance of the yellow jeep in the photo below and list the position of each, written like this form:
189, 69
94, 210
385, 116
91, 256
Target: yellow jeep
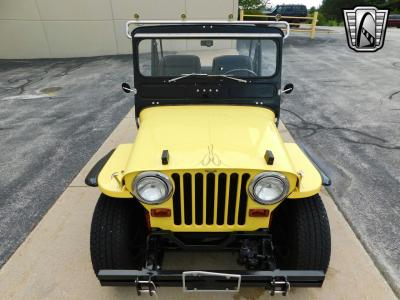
208, 169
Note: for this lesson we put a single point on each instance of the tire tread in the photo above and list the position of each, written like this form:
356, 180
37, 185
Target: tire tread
117, 231
308, 233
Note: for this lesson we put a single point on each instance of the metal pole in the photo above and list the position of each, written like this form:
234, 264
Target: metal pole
314, 25
241, 14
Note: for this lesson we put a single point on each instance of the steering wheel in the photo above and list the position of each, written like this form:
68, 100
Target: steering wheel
229, 72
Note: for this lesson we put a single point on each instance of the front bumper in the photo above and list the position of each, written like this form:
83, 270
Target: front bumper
255, 252
147, 281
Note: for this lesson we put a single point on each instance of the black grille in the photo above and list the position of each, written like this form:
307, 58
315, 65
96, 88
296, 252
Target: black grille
212, 199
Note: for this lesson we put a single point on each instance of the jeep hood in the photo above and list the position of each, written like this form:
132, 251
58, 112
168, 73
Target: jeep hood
207, 137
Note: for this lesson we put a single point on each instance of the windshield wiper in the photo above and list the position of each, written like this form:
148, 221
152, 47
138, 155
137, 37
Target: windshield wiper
185, 76
229, 77
206, 75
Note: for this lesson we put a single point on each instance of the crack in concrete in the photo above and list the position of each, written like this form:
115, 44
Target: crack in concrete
22, 88
393, 94
6, 128
27, 81
69, 69
396, 64
315, 128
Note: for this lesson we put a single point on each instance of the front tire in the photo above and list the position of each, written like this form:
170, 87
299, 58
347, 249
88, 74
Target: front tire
118, 234
301, 234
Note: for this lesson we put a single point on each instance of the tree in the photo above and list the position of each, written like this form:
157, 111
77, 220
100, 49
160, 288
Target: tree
393, 6
332, 9
253, 4
312, 10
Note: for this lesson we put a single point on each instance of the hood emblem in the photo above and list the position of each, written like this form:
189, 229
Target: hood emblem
211, 157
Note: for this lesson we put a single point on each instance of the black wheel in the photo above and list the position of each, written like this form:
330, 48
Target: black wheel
118, 234
301, 234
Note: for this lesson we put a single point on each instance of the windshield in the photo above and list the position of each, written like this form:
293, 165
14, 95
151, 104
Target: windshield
236, 58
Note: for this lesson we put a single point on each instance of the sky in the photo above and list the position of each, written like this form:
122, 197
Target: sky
308, 3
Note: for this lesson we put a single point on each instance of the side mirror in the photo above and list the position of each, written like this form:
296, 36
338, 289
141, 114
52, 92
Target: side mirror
288, 88
127, 88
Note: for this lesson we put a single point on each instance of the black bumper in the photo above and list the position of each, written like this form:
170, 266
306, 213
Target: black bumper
265, 279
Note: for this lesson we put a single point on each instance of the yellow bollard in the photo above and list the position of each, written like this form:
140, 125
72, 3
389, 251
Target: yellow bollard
314, 25
241, 14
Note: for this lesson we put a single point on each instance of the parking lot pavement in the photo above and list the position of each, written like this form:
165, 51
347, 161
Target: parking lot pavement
346, 109
54, 261
54, 114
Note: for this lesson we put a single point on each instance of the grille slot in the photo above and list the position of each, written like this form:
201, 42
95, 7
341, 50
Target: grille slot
187, 197
232, 198
176, 200
199, 198
243, 200
221, 198
211, 199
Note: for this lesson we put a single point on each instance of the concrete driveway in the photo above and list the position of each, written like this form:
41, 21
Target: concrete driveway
346, 109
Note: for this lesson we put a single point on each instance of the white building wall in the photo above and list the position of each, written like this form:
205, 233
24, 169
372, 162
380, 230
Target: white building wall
71, 28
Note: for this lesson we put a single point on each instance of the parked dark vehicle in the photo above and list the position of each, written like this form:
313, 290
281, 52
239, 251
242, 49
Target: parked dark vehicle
394, 21
290, 11
298, 10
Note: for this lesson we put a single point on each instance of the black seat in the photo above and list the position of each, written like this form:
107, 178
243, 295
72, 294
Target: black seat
174, 65
232, 64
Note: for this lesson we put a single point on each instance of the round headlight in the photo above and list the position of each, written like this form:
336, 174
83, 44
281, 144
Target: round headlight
269, 187
152, 187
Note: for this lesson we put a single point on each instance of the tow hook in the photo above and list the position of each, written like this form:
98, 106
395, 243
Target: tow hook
278, 286
146, 287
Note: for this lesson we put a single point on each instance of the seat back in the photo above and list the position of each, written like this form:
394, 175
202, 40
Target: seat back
175, 65
226, 63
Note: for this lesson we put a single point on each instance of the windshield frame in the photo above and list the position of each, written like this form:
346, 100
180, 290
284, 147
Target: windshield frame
193, 36
157, 91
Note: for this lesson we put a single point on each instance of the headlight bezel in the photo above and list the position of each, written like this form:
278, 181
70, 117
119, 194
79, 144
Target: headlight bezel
282, 178
157, 175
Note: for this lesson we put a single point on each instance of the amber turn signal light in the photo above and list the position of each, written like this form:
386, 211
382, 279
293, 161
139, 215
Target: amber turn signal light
160, 212
258, 212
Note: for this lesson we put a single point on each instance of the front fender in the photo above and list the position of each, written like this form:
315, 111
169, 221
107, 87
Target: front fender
110, 177
91, 178
326, 181
310, 179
